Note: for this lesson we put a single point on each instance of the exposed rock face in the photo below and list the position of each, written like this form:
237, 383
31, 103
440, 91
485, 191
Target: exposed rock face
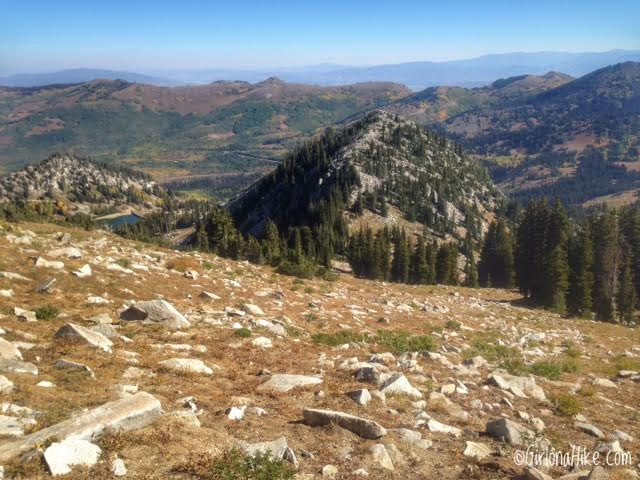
159, 311
360, 426
66, 176
125, 414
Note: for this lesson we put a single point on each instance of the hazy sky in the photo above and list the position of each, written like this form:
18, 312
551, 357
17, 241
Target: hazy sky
140, 35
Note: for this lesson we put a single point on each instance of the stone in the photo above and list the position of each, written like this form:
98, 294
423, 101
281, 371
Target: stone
14, 276
438, 427
276, 448
590, 429
397, 384
118, 468
133, 412
283, 382
12, 426
381, 457
101, 319
531, 473
476, 450
252, 309
25, 315
329, 471
236, 413
519, 386
6, 293
361, 397
159, 311
209, 297
598, 473
45, 384
52, 264
187, 365
91, 337
61, 456
17, 366
262, 342
46, 285
191, 274
68, 252
604, 382
6, 385
84, 271
360, 426
505, 430
622, 436
9, 351
63, 364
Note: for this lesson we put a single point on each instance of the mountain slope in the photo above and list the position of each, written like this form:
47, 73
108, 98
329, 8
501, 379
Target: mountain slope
579, 140
68, 178
222, 127
380, 165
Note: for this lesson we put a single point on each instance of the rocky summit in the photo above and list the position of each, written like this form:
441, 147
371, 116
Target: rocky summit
149, 372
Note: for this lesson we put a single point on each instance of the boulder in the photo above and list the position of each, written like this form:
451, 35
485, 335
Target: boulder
6, 385
25, 315
506, 430
133, 412
84, 271
380, 456
360, 426
63, 364
519, 386
209, 297
397, 384
283, 382
61, 456
9, 351
476, 450
44, 263
159, 311
438, 427
361, 397
67, 252
17, 366
91, 337
252, 309
590, 429
187, 365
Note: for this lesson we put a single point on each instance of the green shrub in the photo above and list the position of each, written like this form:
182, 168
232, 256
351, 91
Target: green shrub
303, 269
402, 342
548, 370
46, 313
452, 325
339, 338
242, 332
234, 465
566, 405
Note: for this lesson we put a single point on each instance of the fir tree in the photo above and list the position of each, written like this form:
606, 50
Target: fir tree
580, 257
626, 294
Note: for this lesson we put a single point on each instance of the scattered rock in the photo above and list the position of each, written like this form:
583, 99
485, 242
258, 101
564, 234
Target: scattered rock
519, 386
505, 430
361, 397
397, 384
590, 429
84, 271
209, 297
159, 311
124, 414
118, 468
381, 457
68, 364
61, 456
252, 309
360, 426
187, 365
476, 450
77, 332
283, 382
25, 315
9, 351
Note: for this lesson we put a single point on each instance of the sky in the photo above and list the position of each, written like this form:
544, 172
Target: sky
143, 35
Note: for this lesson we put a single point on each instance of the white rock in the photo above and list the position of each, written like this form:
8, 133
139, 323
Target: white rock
262, 342
84, 271
283, 382
252, 309
9, 351
236, 413
93, 338
476, 450
361, 397
380, 456
209, 297
25, 315
118, 468
159, 311
44, 263
6, 293
61, 456
68, 252
397, 384
519, 386
437, 427
187, 365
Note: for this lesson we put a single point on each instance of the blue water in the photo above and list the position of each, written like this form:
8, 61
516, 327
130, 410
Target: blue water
116, 222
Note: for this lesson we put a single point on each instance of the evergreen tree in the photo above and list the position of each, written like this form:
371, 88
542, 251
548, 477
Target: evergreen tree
271, 243
580, 258
496, 257
401, 259
555, 264
447, 264
605, 248
626, 294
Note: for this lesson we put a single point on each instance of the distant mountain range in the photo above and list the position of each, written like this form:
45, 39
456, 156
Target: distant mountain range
416, 75
81, 75
578, 139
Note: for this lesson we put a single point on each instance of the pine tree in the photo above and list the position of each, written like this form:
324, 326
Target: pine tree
447, 264
496, 257
605, 248
555, 265
626, 294
400, 262
580, 258
271, 247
